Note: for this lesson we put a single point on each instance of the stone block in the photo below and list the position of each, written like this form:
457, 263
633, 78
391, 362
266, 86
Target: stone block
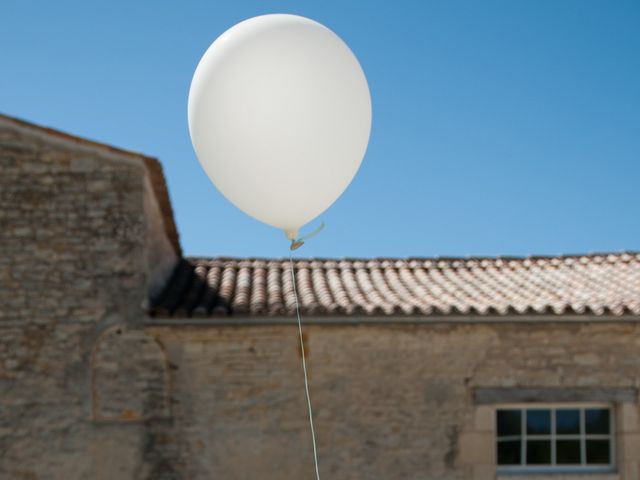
630, 471
484, 472
477, 448
485, 419
627, 417
629, 446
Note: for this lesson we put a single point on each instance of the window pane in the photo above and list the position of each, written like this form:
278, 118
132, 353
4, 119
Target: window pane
538, 452
509, 422
568, 452
538, 422
597, 420
598, 452
509, 453
567, 422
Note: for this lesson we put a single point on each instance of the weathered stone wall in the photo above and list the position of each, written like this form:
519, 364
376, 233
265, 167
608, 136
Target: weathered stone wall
72, 262
391, 401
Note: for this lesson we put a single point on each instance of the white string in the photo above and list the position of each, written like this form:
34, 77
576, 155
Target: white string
304, 368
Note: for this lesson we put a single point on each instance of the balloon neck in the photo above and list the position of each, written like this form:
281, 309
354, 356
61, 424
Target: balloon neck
291, 234
297, 242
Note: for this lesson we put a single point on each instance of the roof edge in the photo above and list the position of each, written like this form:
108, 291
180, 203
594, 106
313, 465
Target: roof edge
161, 191
61, 135
237, 320
151, 164
198, 258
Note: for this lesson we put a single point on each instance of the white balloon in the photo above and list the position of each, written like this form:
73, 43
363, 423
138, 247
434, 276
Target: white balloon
279, 117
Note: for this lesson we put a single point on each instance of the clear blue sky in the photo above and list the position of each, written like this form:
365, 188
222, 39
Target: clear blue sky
500, 127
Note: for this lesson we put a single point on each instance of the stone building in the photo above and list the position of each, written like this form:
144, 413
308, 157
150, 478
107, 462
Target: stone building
121, 359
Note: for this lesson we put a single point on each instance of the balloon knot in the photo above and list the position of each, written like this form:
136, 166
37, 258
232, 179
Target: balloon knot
295, 244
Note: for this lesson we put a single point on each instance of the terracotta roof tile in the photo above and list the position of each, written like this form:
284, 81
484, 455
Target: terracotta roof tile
598, 284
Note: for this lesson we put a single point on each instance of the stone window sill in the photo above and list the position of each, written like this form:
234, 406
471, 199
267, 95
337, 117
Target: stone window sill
560, 476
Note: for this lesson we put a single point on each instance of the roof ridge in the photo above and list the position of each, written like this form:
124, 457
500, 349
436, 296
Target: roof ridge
415, 259
71, 137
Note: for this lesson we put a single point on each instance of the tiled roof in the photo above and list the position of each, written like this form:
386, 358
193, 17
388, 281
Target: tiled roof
598, 284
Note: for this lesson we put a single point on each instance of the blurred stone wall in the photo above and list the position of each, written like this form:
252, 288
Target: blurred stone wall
75, 230
390, 401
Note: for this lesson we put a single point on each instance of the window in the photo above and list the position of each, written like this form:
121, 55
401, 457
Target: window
554, 438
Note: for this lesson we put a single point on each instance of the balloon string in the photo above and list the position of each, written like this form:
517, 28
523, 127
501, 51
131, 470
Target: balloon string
304, 365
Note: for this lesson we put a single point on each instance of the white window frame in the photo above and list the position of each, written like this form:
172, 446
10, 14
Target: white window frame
583, 436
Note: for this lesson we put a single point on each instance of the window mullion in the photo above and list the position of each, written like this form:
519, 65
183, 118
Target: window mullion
523, 446
583, 436
612, 432
553, 436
